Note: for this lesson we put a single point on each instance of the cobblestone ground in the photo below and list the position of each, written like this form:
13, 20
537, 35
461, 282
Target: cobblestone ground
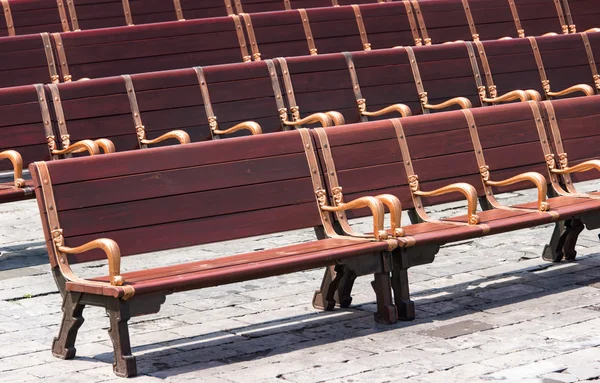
487, 310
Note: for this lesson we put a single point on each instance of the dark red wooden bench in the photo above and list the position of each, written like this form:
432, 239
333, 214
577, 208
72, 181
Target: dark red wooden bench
431, 159
255, 6
223, 189
450, 20
33, 16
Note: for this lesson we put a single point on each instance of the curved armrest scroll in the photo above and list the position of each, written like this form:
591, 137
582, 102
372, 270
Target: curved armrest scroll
461, 187
533, 94
113, 254
320, 118
17, 161
510, 96
463, 102
395, 207
336, 117
579, 168
372, 203
400, 108
103, 143
252, 126
593, 30
536, 178
584, 88
80, 146
178, 135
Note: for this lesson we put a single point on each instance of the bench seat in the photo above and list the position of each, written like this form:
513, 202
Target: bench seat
9, 193
239, 268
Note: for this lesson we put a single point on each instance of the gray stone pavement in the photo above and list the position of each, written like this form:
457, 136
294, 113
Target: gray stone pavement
487, 310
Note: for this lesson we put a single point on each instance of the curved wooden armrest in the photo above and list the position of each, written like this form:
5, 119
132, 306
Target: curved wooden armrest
395, 207
453, 42
584, 88
113, 254
320, 118
399, 108
533, 94
460, 187
592, 30
463, 102
536, 178
178, 135
103, 143
510, 96
80, 146
336, 117
550, 34
579, 168
17, 162
505, 38
252, 126
372, 203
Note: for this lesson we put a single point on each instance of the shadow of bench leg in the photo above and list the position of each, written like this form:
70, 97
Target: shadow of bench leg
405, 307
63, 345
118, 313
386, 311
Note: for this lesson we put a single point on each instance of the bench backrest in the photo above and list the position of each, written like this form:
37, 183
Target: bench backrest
255, 6
31, 16
146, 48
26, 60
332, 29
578, 134
21, 126
582, 15
166, 101
172, 197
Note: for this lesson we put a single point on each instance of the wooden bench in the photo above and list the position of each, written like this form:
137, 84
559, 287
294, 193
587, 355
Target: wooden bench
449, 20
431, 159
582, 15
255, 6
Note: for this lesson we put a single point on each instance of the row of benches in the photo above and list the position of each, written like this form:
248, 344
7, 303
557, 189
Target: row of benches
36, 16
97, 208
63, 57
203, 103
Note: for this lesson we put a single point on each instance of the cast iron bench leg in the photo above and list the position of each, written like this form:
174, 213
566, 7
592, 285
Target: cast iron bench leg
553, 252
574, 228
63, 345
405, 307
118, 313
386, 311
336, 288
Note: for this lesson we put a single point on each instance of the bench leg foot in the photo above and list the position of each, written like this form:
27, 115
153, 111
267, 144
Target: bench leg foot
574, 228
63, 345
386, 311
118, 313
553, 252
405, 307
336, 288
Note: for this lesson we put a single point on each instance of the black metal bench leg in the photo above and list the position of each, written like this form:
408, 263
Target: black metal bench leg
386, 311
574, 229
118, 313
63, 345
553, 252
405, 307
324, 298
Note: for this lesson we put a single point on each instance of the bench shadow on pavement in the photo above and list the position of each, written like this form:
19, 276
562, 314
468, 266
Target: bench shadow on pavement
243, 343
23, 255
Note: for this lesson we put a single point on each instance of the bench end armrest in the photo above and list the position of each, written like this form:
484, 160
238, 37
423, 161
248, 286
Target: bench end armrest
17, 161
536, 178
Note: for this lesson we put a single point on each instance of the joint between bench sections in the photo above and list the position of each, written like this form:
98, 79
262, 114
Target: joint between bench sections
73, 14
312, 49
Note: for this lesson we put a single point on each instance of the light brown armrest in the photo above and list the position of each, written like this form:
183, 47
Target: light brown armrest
395, 207
178, 135
17, 161
593, 30
81, 146
534, 95
536, 178
372, 203
402, 109
320, 118
550, 34
252, 126
103, 143
113, 254
461, 187
336, 118
463, 102
579, 168
584, 88
510, 96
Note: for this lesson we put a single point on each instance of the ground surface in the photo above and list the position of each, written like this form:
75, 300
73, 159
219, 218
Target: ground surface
487, 310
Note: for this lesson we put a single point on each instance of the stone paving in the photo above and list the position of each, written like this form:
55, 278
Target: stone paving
487, 310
